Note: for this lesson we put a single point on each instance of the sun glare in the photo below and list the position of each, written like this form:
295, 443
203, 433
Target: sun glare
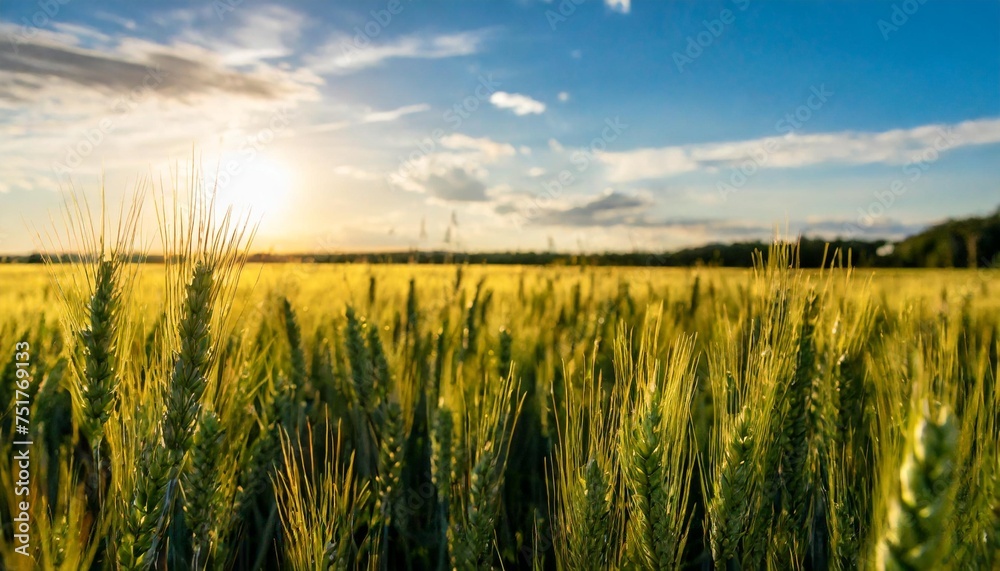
258, 186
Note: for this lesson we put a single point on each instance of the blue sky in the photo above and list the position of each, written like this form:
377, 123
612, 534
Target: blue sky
583, 124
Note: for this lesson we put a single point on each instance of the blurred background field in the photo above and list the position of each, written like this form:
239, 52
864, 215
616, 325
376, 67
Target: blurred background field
27, 289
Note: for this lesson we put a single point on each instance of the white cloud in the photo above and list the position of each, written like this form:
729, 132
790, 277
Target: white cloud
894, 147
563, 96
345, 54
621, 6
556, 146
457, 174
445, 180
536, 171
519, 104
393, 114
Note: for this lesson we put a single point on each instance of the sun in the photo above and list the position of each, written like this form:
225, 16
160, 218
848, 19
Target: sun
257, 186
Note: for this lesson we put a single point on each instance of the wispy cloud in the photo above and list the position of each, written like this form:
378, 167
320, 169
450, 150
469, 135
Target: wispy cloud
367, 117
519, 104
342, 54
897, 146
81, 32
394, 114
126, 23
266, 32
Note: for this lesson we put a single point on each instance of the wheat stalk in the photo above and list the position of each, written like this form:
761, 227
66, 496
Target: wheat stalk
472, 530
320, 505
441, 472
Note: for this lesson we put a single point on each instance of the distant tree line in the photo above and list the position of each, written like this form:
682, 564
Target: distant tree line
963, 243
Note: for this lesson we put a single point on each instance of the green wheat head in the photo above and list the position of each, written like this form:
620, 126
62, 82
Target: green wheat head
917, 536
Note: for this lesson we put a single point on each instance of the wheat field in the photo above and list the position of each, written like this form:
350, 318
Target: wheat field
205, 413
